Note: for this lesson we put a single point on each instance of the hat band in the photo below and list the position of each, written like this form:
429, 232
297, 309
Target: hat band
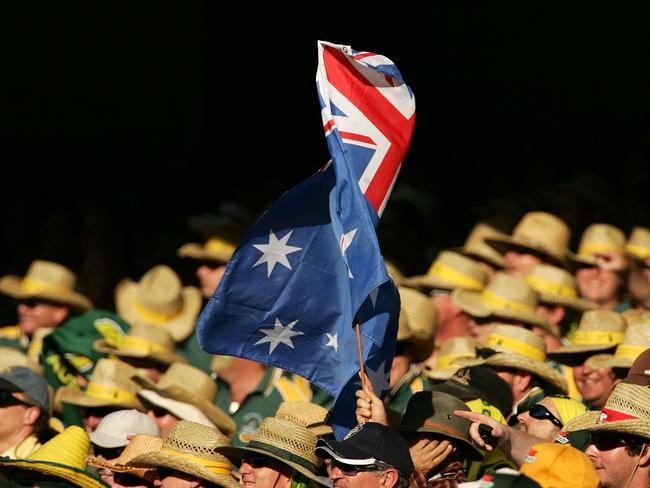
629, 351
586, 250
34, 285
447, 273
156, 318
597, 337
140, 344
216, 467
444, 429
544, 285
446, 360
282, 453
219, 245
639, 251
514, 345
110, 393
609, 415
493, 300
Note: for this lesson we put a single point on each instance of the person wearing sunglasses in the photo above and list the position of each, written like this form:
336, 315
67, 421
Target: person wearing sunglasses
24, 411
546, 418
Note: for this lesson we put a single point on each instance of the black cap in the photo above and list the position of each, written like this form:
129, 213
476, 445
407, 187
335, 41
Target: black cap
366, 444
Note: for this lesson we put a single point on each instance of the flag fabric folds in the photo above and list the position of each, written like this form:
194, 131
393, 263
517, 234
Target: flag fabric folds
311, 265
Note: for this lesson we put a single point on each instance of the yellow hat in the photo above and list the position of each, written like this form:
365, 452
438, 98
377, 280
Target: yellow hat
568, 408
476, 248
557, 286
598, 239
598, 331
638, 245
214, 249
555, 465
450, 270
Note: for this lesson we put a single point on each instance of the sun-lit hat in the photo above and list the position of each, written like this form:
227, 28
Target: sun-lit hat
110, 385
215, 249
450, 270
115, 428
539, 233
476, 248
62, 456
186, 384
557, 286
449, 351
284, 441
308, 414
417, 322
634, 342
192, 448
638, 244
555, 465
598, 331
159, 299
627, 411
142, 341
598, 239
48, 281
138, 445
507, 297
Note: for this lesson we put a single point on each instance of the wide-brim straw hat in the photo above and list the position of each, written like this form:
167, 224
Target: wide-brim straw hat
556, 286
187, 384
635, 341
214, 249
626, 411
597, 239
540, 369
449, 352
284, 441
110, 385
142, 342
417, 323
308, 414
450, 270
48, 281
476, 248
507, 297
539, 233
62, 456
638, 245
138, 445
159, 299
13, 357
599, 330
192, 448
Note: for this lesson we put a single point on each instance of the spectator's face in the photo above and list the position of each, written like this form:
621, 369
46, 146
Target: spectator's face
542, 428
598, 285
480, 328
520, 264
14, 414
594, 385
398, 369
344, 476
170, 478
92, 416
613, 463
259, 471
164, 419
35, 314
209, 276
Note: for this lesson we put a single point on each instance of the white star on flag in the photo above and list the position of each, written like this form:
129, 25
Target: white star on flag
332, 341
346, 240
378, 377
275, 252
279, 334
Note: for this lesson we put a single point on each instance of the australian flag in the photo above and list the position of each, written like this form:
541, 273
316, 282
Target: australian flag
311, 266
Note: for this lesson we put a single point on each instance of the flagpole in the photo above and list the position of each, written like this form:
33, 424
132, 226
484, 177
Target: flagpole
362, 370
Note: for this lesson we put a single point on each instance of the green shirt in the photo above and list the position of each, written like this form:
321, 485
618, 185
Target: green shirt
412, 382
10, 336
190, 350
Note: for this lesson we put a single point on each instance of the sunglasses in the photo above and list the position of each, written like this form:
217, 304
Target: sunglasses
8, 400
126, 479
352, 469
540, 412
108, 452
259, 461
158, 411
606, 441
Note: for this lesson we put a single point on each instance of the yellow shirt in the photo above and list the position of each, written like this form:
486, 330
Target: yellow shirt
23, 449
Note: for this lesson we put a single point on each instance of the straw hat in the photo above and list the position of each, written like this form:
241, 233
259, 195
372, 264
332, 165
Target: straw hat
13, 357
417, 322
598, 330
598, 238
476, 248
450, 270
187, 384
395, 273
110, 385
635, 341
138, 445
449, 351
507, 297
283, 441
638, 245
48, 281
540, 233
308, 414
627, 411
62, 456
557, 287
142, 341
635, 316
192, 448
519, 348
159, 299
214, 249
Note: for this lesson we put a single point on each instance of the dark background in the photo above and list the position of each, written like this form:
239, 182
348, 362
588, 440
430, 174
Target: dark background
120, 122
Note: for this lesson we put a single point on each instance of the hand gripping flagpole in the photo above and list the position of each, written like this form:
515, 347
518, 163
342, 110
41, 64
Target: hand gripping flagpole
362, 372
